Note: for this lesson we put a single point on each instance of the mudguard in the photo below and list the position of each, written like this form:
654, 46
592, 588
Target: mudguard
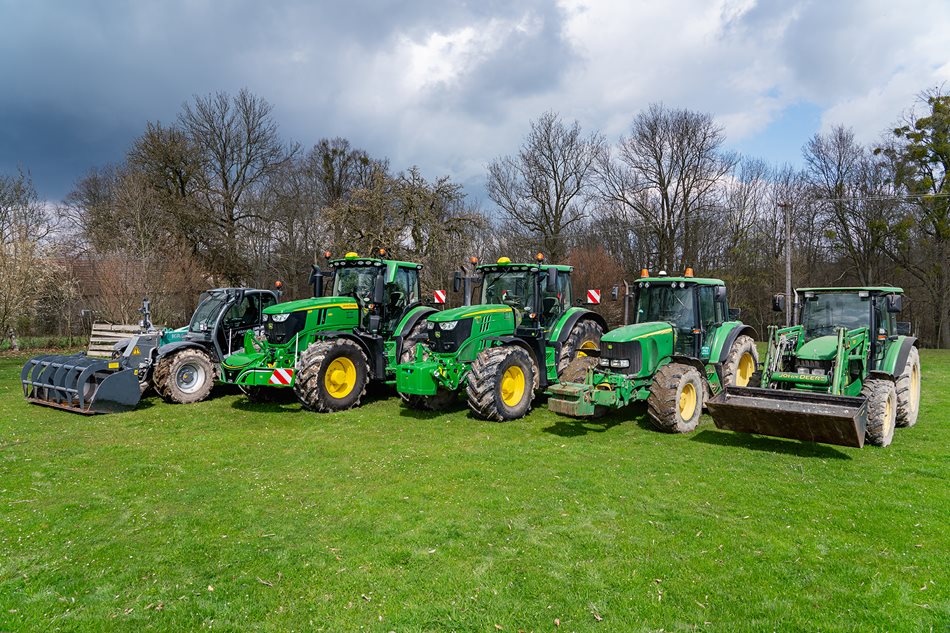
409, 321
725, 343
168, 348
896, 357
562, 329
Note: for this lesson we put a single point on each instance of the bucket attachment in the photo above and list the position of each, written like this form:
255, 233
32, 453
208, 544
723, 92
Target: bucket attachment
797, 415
80, 383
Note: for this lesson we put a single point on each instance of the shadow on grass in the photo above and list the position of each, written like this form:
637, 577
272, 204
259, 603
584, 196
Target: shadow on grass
566, 426
769, 444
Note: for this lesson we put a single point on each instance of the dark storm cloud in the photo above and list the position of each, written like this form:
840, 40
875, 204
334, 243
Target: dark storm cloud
82, 78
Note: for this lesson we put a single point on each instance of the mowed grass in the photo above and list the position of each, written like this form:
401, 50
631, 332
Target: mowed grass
230, 516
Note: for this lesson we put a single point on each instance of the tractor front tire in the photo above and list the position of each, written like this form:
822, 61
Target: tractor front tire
676, 398
443, 398
882, 411
331, 376
185, 376
500, 383
585, 335
908, 390
741, 363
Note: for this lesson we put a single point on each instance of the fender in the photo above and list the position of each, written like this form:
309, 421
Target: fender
416, 313
567, 322
168, 348
900, 359
734, 333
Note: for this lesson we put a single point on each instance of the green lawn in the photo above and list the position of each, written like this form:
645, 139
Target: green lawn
232, 516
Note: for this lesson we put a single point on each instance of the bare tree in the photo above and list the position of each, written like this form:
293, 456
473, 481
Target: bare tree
544, 187
666, 178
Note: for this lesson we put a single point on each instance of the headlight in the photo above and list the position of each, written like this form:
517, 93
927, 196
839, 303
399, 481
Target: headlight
620, 363
605, 362
280, 318
430, 325
448, 325
817, 372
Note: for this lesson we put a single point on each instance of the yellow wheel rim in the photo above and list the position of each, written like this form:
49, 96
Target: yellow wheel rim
512, 386
687, 405
745, 370
586, 345
340, 377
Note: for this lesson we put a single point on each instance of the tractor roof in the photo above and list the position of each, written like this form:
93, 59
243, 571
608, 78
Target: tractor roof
356, 260
887, 290
699, 281
504, 263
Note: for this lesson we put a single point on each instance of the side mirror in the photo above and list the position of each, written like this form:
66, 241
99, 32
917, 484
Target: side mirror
719, 293
615, 293
457, 282
379, 292
903, 328
551, 283
734, 314
778, 303
894, 303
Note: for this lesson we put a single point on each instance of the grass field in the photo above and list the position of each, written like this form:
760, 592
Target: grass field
230, 516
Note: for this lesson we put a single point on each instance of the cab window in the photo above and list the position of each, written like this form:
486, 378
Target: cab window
554, 303
402, 291
246, 313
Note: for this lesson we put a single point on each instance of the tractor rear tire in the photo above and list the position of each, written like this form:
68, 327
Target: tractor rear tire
443, 398
576, 370
500, 383
676, 398
331, 376
185, 376
882, 411
585, 335
908, 390
741, 363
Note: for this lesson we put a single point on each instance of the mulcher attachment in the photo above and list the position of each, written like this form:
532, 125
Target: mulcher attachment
797, 415
80, 383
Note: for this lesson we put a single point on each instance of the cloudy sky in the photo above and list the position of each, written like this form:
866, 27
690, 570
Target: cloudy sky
449, 85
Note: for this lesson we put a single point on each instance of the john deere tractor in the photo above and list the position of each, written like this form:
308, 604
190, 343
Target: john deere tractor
181, 364
684, 344
849, 373
328, 348
519, 338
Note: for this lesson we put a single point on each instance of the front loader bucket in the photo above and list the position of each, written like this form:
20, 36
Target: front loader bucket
798, 415
80, 383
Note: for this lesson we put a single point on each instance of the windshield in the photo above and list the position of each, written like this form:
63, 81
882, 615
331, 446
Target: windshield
666, 303
207, 313
357, 281
824, 312
515, 288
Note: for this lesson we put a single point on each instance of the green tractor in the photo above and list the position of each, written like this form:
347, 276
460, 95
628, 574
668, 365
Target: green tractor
521, 337
849, 373
327, 349
684, 344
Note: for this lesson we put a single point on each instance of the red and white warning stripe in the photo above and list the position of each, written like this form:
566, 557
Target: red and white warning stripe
281, 377
439, 296
593, 296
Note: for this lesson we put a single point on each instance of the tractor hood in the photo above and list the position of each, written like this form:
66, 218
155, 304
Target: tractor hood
821, 348
464, 312
637, 332
309, 304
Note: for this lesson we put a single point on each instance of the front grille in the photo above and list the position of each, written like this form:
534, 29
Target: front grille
625, 350
283, 332
448, 342
804, 363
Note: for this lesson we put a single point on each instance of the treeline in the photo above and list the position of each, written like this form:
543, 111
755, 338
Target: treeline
219, 197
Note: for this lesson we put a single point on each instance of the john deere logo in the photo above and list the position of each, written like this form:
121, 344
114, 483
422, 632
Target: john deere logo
438, 334
270, 326
609, 346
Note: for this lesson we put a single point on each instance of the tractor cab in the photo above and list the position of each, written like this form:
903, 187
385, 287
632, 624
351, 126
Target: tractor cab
694, 307
385, 290
225, 315
538, 293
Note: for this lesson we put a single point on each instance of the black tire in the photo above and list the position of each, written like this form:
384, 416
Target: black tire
443, 399
185, 376
312, 386
741, 364
908, 390
676, 398
576, 370
882, 411
486, 389
586, 332
259, 394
